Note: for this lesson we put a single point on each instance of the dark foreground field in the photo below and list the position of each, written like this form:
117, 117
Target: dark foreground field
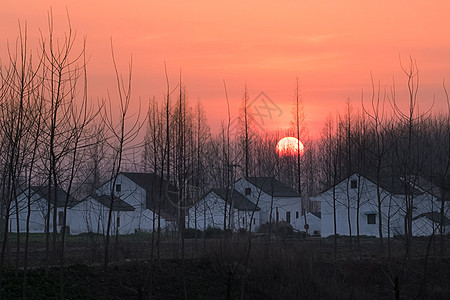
279, 269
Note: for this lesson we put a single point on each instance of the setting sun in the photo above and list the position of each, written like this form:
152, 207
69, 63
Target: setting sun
289, 146
183, 121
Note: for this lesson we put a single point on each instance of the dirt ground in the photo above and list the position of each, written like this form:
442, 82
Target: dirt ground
281, 268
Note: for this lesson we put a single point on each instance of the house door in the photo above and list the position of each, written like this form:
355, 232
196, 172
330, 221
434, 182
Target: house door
60, 217
288, 217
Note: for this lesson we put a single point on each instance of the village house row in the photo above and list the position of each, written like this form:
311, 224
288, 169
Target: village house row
142, 201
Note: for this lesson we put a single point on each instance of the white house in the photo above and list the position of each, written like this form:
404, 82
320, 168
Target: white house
356, 202
436, 206
148, 194
139, 198
313, 221
39, 199
428, 223
210, 211
438, 194
91, 215
277, 201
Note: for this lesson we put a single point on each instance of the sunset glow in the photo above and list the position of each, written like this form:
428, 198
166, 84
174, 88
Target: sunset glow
172, 146
334, 48
288, 146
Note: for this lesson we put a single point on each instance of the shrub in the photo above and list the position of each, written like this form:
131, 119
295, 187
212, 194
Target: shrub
65, 229
213, 232
301, 234
281, 228
242, 231
191, 233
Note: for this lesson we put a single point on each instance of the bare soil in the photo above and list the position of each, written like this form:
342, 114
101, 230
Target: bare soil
281, 268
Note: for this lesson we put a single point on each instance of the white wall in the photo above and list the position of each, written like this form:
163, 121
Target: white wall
424, 227
271, 205
130, 192
139, 219
38, 211
91, 216
209, 212
391, 209
314, 223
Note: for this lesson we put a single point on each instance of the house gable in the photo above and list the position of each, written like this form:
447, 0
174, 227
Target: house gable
213, 210
160, 196
359, 207
277, 201
145, 191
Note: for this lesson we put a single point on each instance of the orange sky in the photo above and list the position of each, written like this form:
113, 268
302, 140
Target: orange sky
331, 46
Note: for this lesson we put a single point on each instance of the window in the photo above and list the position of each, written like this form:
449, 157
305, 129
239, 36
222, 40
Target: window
118, 222
61, 217
243, 221
371, 219
288, 216
296, 214
353, 184
248, 191
254, 221
278, 216
118, 188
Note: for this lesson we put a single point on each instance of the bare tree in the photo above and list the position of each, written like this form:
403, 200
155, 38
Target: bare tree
332, 157
360, 139
201, 136
346, 125
299, 128
445, 174
376, 116
80, 117
154, 154
19, 91
246, 132
121, 134
62, 71
411, 159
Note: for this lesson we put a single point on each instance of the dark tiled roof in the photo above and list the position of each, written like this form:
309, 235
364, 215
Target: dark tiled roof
433, 189
389, 183
394, 184
159, 194
118, 205
238, 200
272, 186
61, 196
435, 217
317, 214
